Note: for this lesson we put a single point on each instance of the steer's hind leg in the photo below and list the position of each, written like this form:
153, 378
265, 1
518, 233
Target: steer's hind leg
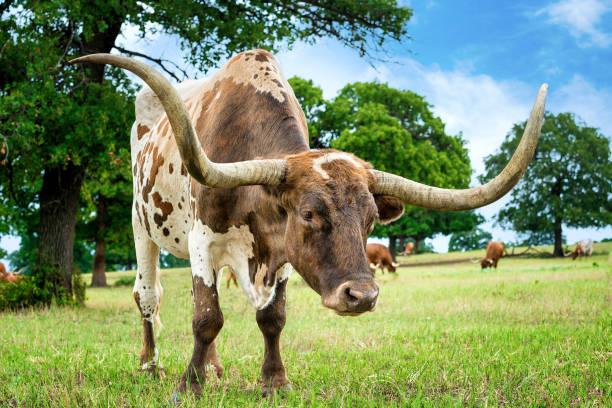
147, 293
271, 321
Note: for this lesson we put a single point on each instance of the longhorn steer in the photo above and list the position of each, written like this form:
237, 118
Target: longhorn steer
223, 176
380, 257
495, 250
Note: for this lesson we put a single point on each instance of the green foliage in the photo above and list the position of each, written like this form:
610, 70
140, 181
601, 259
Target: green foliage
167, 260
569, 180
125, 281
476, 238
18, 295
311, 100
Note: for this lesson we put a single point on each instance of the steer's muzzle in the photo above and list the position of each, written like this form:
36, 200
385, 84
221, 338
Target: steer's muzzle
353, 298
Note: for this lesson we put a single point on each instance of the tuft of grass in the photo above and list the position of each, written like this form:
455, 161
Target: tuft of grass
534, 332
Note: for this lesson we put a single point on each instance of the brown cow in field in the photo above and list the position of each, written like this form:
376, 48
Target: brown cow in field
223, 176
583, 248
495, 250
9, 277
409, 248
380, 257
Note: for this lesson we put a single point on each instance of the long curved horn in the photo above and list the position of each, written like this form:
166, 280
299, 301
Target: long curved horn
224, 175
441, 199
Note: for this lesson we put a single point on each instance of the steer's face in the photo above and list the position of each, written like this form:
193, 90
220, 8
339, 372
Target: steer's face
330, 212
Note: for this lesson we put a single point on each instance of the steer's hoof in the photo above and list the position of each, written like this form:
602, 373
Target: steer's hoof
271, 391
217, 369
153, 370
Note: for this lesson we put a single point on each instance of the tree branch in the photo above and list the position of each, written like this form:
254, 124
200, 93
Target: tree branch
158, 61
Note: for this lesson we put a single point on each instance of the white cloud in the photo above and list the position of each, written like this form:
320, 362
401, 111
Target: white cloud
591, 104
582, 18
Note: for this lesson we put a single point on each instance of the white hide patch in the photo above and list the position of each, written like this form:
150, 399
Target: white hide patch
211, 251
152, 363
329, 157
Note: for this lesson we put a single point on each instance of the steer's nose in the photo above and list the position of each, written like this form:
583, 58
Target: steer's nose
351, 298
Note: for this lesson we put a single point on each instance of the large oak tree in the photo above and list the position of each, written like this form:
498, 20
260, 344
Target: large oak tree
569, 181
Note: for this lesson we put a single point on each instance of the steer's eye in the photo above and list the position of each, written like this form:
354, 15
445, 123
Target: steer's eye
307, 215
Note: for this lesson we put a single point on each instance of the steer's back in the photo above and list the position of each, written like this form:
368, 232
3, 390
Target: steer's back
238, 114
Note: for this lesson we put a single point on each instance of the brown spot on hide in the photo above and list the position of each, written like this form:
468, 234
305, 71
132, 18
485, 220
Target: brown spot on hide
165, 207
141, 130
183, 170
157, 162
146, 220
170, 168
261, 57
164, 127
134, 170
166, 232
277, 82
176, 240
255, 76
180, 206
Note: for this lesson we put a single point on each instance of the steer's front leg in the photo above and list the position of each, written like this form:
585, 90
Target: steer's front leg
207, 322
271, 321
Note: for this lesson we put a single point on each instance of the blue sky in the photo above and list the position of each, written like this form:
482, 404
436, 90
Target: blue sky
479, 64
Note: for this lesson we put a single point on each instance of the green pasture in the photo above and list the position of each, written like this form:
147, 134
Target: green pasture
534, 332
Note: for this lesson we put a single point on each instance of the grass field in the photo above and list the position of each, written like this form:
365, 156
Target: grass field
535, 332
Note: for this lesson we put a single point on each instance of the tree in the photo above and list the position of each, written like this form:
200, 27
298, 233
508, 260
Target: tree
107, 211
311, 100
58, 119
569, 180
476, 238
397, 132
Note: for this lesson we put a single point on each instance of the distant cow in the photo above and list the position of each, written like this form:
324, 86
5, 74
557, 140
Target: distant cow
380, 257
409, 248
495, 250
583, 248
231, 277
8, 276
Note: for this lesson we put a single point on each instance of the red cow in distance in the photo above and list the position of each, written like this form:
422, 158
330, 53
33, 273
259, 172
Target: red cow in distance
409, 248
380, 257
8, 276
495, 250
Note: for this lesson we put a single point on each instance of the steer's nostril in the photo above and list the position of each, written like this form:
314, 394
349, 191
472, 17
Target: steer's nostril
350, 295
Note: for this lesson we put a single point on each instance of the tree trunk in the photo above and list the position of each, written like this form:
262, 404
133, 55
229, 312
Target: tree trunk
417, 244
558, 251
99, 275
98, 278
392, 246
59, 202
402, 243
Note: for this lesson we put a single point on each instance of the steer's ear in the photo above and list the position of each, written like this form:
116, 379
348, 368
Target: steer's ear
389, 208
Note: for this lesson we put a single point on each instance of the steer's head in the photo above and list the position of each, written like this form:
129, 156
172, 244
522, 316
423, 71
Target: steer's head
330, 213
